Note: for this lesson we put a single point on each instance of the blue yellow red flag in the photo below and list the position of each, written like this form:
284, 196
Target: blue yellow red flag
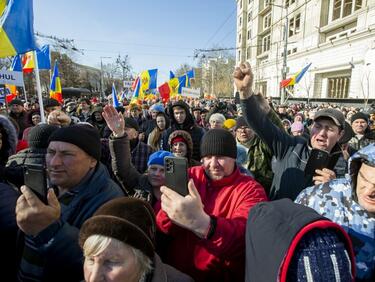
17, 28
146, 81
294, 78
182, 82
44, 60
16, 64
55, 89
171, 75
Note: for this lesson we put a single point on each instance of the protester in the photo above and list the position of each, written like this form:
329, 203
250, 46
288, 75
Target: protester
149, 125
96, 120
139, 150
8, 140
19, 115
181, 145
351, 203
363, 136
209, 223
155, 140
135, 184
181, 119
297, 128
291, 153
84, 109
304, 245
51, 251
216, 120
123, 231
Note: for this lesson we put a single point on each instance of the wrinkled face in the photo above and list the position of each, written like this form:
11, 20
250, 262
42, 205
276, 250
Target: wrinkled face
366, 188
67, 164
35, 119
160, 122
244, 134
179, 114
117, 263
16, 108
325, 134
214, 123
218, 167
98, 116
359, 126
179, 149
156, 175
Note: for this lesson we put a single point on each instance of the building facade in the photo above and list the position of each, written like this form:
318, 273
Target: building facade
336, 36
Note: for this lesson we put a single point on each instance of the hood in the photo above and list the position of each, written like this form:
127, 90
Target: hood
189, 121
365, 155
187, 137
10, 141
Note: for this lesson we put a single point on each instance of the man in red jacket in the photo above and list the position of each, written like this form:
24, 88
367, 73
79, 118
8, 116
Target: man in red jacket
207, 227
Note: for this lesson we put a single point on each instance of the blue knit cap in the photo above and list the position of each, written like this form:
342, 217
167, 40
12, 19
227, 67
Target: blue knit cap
320, 256
157, 107
157, 158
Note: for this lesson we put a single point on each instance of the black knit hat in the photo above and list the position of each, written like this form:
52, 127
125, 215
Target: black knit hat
39, 134
131, 123
218, 142
83, 136
128, 220
359, 115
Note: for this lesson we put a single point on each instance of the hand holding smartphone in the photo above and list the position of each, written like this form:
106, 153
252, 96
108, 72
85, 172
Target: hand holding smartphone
176, 175
318, 159
35, 177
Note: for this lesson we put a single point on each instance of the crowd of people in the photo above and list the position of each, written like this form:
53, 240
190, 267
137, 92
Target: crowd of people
260, 206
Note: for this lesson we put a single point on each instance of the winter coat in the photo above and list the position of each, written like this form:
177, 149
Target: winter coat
221, 257
291, 153
189, 143
272, 234
368, 138
189, 125
57, 245
336, 200
9, 139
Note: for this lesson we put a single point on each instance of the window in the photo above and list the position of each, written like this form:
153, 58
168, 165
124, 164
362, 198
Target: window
239, 55
239, 38
267, 2
294, 25
266, 43
289, 2
267, 21
248, 34
248, 53
240, 22
249, 16
240, 4
344, 8
338, 87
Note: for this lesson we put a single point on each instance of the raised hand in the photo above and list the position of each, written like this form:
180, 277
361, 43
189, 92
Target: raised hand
243, 79
114, 120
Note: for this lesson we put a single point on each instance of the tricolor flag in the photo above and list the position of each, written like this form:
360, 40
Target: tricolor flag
295, 78
145, 82
16, 64
55, 89
16, 27
44, 61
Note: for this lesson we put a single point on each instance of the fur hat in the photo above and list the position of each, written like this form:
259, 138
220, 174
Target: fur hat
129, 220
218, 142
85, 137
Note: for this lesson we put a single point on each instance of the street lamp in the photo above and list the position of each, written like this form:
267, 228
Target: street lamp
101, 78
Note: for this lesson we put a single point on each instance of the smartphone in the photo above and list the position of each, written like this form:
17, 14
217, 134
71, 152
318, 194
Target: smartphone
318, 159
35, 177
176, 174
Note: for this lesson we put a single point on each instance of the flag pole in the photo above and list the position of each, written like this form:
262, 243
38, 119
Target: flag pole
39, 88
